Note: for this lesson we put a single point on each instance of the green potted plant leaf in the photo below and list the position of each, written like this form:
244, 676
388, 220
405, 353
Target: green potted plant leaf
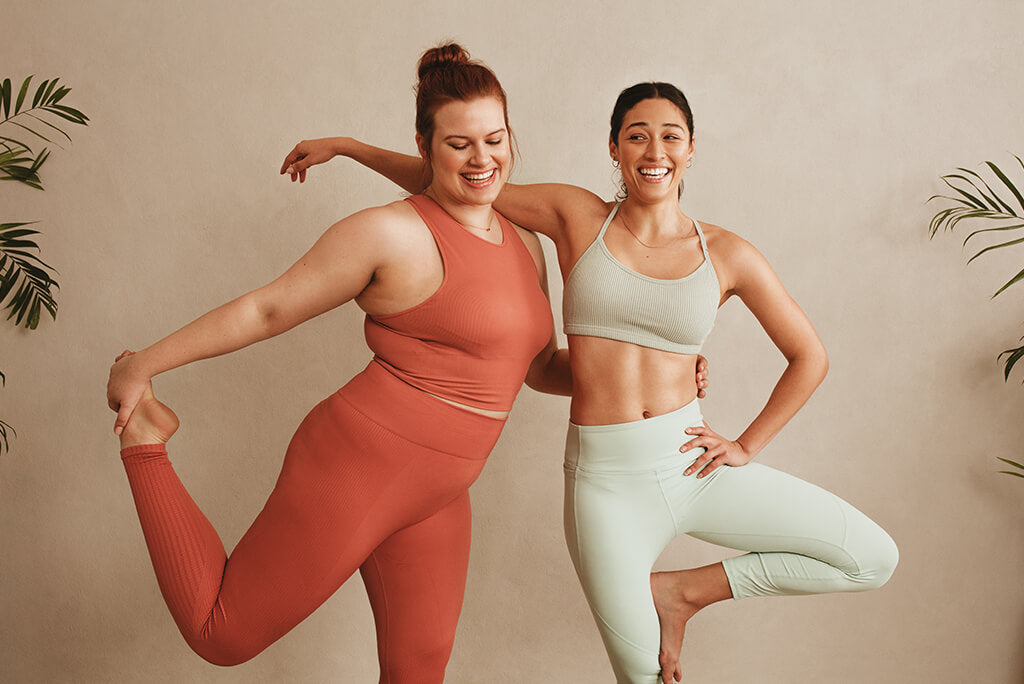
976, 201
26, 282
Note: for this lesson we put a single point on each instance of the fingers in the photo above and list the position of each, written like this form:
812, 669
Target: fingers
123, 414
706, 439
292, 157
297, 170
704, 465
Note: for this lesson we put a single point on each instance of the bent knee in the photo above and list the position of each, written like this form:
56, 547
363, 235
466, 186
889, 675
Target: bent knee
225, 653
878, 565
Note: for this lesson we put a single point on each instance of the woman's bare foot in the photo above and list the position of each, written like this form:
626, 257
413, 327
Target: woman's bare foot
673, 612
150, 423
678, 596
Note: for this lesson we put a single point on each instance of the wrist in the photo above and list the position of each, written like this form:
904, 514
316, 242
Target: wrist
140, 366
747, 451
341, 146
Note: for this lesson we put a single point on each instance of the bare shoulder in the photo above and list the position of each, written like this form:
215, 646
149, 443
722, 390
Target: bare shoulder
390, 220
389, 226
739, 265
728, 247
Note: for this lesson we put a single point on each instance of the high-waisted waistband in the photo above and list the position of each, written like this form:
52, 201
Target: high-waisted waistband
420, 417
639, 445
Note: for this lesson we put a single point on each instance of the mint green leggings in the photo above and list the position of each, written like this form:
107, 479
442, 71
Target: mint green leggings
626, 498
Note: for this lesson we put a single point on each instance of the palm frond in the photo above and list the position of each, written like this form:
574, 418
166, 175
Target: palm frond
977, 200
24, 277
1014, 464
1009, 185
1015, 279
4, 429
40, 117
1012, 357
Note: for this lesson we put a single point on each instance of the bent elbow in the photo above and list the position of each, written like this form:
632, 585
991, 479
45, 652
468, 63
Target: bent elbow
823, 364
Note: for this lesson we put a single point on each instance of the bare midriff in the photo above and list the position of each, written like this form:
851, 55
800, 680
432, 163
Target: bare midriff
619, 382
482, 411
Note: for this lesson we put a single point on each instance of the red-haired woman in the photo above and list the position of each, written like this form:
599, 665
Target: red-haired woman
457, 317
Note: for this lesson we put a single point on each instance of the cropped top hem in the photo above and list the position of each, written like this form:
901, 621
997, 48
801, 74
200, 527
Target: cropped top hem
461, 403
624, 336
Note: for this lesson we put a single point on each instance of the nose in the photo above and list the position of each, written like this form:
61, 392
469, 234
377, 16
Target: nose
655, 149
480, 154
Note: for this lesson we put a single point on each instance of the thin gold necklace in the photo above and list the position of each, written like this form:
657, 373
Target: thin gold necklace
635, 237
490, 219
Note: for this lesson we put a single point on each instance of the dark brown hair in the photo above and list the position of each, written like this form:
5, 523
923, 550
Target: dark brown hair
634, 95
446, 73
654, 90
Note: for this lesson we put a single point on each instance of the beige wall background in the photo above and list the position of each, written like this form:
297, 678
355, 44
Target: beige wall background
822, 128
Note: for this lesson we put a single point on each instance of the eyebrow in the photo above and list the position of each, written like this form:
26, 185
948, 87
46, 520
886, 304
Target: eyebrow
466, 137
644, 123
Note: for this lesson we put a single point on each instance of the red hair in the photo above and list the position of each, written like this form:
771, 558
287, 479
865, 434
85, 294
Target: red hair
446, 73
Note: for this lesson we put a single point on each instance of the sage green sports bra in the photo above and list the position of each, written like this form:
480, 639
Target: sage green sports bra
605, 298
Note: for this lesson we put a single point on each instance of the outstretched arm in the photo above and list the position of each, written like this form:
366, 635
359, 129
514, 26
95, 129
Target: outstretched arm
754, 281
411, 173
545, 208
336, 269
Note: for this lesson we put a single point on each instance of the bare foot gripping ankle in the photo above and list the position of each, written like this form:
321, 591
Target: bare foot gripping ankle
152, 422
678, 596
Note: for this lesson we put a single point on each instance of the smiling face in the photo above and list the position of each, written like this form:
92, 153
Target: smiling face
653, 147
469, 153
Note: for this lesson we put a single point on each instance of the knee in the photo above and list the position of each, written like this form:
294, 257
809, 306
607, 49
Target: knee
224, 653
878, 564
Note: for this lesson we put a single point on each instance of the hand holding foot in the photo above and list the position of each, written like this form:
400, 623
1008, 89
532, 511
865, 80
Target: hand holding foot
151, 423
143, 421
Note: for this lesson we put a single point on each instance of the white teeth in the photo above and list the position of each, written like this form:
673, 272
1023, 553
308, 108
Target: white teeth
477, 177
653, 173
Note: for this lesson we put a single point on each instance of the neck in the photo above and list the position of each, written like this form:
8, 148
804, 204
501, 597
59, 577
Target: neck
475, 215
654, 220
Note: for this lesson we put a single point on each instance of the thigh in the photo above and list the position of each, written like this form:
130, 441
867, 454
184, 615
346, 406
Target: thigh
344, 487
416, 580
757, 508
616, 526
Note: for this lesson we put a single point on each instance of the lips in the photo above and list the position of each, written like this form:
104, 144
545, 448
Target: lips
481, 179
654, 174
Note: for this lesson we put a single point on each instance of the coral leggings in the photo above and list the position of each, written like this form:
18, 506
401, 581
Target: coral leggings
374, 479
626, 498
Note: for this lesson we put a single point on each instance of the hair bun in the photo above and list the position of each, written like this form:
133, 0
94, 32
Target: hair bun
442, 57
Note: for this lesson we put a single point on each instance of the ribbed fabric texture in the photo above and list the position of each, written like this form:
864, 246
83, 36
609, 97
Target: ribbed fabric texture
352, 492
605, 298
472, 341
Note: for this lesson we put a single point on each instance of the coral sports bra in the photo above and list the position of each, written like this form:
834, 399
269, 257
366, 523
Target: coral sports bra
473, 340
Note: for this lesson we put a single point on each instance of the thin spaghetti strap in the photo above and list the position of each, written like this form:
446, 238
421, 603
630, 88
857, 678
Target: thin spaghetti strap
608, 220
703, 242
